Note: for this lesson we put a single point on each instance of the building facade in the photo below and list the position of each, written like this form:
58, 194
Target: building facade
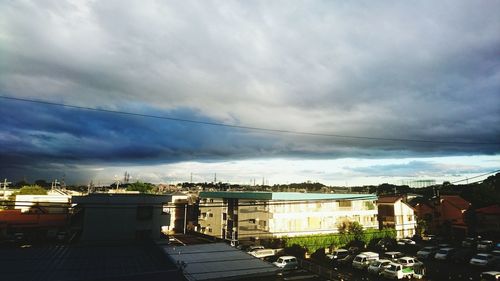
115, 217
394, 213
239, 216
444, 215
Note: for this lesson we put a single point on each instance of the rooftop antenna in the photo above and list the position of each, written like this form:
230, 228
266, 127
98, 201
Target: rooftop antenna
63, 183
5, 183
126, 177
90, 187
215, 178
117, 182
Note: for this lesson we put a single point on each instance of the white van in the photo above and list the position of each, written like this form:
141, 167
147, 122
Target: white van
363, 260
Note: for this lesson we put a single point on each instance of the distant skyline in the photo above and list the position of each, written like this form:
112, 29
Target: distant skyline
381, 70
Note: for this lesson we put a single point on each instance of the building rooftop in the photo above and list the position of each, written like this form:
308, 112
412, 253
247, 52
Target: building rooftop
389, 199
127, 262
456, 201
490, 210
219, 261
104, 198
285, 195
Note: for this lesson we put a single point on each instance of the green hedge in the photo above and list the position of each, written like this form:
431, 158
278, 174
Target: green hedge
336, 240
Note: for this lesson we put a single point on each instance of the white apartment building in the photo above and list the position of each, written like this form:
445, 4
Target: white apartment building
51, 203
393, 212
257, 215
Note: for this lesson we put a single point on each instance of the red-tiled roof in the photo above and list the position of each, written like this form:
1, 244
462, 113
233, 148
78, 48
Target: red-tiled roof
456, 201
389, 199
490, 210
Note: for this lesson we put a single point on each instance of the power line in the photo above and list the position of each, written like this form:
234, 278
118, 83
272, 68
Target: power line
466, 179
268, 130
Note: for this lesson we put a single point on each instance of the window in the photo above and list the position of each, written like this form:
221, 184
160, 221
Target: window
251, 220
345, 204
210, 215
144, 213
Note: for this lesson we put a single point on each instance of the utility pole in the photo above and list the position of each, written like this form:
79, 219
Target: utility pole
185, 217
54, 184
5, 183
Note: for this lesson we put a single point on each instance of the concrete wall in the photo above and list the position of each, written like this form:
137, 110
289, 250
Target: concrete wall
122, 217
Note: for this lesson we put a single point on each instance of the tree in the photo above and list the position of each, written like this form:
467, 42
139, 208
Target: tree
422, 226
32, 189
355, 229
142, 187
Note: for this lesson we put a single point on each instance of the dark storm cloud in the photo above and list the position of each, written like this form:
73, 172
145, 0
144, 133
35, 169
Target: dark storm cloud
33, 134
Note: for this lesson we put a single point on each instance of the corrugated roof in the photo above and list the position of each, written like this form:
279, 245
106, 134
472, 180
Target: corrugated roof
98, 262
295, 196
218, 261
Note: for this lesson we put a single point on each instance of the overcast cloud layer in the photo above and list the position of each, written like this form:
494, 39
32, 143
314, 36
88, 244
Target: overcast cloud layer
421, 70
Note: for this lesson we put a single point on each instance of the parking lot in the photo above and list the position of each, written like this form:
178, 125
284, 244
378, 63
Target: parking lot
448, 269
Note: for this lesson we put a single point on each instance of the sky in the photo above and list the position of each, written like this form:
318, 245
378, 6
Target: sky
391, 91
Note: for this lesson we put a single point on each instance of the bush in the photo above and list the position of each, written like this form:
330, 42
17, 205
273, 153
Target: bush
337, 240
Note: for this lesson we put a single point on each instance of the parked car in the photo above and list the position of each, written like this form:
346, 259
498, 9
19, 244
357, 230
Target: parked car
394, 256
485, 245
287, 262
19, 236
61, 235
254, 248
385, 244
397, 271
406, 241
462, 255
490, 276
263, 253
481, 259
344, 261
427, 252
469, 242
363, 260
377, 267
338, 254
407, 261
496, 254
444, 253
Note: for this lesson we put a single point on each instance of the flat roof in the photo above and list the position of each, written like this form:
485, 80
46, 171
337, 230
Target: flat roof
285, 195
218, 261
109, 198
